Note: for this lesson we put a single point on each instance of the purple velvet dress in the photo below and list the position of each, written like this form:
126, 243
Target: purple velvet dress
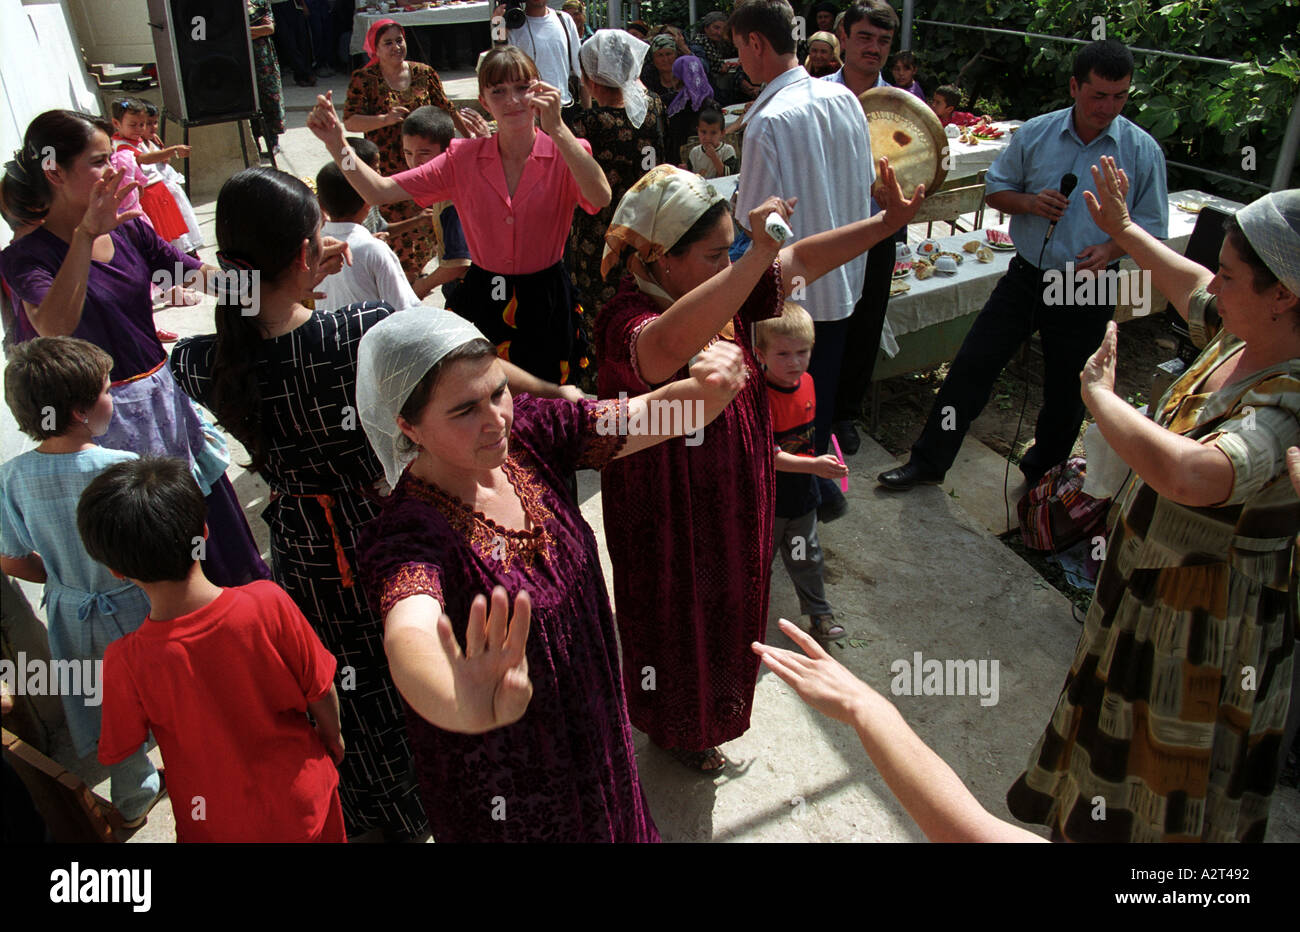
566, 771
689, 531
151, 416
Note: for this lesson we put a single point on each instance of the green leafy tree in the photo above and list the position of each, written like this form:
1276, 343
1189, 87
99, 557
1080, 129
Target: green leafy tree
1228, 118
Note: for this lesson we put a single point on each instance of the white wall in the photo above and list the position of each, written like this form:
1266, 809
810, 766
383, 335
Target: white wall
40, 69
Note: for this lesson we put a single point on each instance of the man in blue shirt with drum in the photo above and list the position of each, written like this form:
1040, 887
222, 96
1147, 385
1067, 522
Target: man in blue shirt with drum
1054, 235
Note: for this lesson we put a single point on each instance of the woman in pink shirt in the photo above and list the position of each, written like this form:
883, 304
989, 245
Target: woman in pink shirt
515, 193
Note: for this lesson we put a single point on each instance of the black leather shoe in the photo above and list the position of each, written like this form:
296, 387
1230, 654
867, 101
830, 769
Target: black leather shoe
847, 434
902, 478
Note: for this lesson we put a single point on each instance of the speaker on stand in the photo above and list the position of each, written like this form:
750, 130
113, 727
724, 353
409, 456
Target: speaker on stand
205, 66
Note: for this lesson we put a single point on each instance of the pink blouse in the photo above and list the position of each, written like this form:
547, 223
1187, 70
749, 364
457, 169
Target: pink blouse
513, 236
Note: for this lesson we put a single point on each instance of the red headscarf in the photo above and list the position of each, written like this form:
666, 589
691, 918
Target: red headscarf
372, 37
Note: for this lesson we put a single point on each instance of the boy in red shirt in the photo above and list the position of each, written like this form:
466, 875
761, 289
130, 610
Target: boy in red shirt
224, 678
945, 102
783, 346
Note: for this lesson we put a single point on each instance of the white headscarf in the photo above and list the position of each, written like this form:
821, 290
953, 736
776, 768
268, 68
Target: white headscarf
393, 357
612, 57
1272, 227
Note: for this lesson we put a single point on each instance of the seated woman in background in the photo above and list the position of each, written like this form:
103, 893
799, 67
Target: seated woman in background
1174, 708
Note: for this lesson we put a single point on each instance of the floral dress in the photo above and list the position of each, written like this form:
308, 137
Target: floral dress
269, 88
370, 95
1169, 727
625, 153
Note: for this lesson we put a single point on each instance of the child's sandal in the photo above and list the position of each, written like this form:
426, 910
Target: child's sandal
824, 627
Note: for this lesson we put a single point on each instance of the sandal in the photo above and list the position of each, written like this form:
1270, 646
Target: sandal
824, 627
709, 761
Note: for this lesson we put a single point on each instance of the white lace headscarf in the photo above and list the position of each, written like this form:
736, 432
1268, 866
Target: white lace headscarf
1272, 227
612, 58
393, 357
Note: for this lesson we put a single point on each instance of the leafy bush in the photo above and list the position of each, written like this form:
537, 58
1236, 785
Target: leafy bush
1202, 114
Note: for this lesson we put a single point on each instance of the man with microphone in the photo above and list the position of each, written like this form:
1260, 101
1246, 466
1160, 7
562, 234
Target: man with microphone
1034, 180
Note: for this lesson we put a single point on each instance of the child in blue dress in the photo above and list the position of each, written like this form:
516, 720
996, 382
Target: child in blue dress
57, 389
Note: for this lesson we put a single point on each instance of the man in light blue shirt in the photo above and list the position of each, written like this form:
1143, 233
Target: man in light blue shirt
1037, 293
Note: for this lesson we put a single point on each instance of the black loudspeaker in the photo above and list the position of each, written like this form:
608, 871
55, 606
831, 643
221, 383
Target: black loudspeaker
205, 59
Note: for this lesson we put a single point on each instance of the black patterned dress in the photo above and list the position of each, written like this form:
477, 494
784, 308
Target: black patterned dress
625, 153
321, 471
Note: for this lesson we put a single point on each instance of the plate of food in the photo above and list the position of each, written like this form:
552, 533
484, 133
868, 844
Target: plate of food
899, 287
902, 269
955, 256
1188, 206
999, 240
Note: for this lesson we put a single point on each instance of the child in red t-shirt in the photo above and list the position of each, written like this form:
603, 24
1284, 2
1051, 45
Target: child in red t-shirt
224, 678
783, 345
945, 102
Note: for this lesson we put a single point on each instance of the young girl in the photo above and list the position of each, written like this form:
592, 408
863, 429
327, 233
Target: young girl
129, 130
58, 391
191, 241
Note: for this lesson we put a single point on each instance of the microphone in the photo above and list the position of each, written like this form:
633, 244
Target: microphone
1068, 181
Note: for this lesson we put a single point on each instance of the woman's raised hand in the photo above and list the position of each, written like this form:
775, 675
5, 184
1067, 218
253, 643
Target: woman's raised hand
1110, 213
492, 672
546, 101
106, 198
1099, 371
397, 114
898, 210
325, 123
334, 254
758, 221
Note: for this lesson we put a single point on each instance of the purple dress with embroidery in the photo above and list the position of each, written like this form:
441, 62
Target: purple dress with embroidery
566, 771
689, 531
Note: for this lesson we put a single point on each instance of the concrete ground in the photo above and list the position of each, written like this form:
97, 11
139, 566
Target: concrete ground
921, 571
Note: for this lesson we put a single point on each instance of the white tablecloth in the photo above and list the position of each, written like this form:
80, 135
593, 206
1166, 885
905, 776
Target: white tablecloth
480, 12
940, 299
970, 160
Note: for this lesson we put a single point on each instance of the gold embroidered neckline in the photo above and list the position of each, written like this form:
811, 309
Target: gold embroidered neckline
488, 538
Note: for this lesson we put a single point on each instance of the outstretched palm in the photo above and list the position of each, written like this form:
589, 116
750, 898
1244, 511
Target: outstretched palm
899, 210
491, 674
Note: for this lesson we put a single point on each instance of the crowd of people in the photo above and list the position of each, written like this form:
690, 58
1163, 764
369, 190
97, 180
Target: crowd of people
433, 649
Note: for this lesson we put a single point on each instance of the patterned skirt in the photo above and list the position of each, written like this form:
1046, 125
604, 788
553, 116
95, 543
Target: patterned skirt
1169, 727
153, 417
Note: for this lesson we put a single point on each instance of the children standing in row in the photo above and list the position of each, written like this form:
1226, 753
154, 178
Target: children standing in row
57, 389
130, 125
783, 346
712, 158
224, 678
